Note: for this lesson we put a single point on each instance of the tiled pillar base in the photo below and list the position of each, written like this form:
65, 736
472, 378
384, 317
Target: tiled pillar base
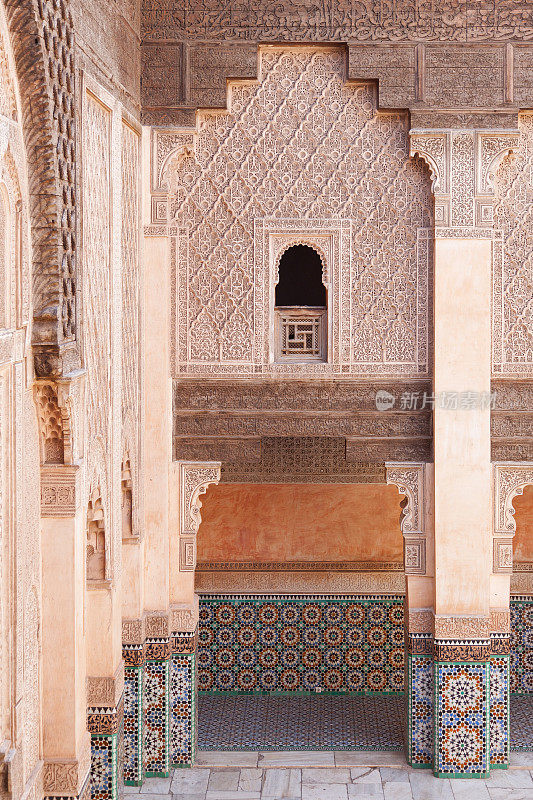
499, 701
106, 726
156, 717
133, 713
419, 690
462, 709
183, 697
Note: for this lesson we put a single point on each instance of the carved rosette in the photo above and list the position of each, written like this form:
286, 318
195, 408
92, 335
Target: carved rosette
195, 477
510, 480
409, 479
463, 164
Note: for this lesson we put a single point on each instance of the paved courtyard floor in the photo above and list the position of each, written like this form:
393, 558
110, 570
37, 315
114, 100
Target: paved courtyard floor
322, 775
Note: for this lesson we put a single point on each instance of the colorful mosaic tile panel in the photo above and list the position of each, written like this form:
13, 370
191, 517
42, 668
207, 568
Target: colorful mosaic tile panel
104, 778
521, 678
499, 711
275, 643
301, 722
133, 769
461, 719
182, 709
156, 718
522, 722
420, 710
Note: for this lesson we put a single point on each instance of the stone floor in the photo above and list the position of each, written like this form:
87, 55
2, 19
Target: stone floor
321, 775
322, 722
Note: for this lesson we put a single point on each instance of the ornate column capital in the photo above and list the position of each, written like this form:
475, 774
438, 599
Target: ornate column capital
194, 478
463, 164
409, 480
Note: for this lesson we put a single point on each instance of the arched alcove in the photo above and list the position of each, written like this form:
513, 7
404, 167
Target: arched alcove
300, 306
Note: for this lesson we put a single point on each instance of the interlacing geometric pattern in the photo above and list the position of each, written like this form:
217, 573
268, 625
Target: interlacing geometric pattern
300, 145
286, 644
462, 719
513, 279
521, 679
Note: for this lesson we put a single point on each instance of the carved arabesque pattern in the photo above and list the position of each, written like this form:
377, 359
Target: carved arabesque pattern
409, 479
97, 272
510, 481
43, 48
513, 272
299, 144
131, 384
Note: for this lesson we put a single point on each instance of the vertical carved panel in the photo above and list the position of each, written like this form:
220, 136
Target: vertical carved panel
513, 270
130, 313
97, 285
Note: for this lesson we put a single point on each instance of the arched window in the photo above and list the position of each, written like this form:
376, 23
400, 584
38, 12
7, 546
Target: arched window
301, 306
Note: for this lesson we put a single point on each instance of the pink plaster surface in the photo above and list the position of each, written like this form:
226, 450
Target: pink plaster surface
304, 522
523, 540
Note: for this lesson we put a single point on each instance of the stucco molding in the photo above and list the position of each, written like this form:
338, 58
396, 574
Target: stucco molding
463, 164
510, 479
409, 480
194, 479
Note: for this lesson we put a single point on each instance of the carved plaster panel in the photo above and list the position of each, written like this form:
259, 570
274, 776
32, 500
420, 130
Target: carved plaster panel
300, 582
194, 478
510, 480
235, 204
463, 165
409, 479
513, 263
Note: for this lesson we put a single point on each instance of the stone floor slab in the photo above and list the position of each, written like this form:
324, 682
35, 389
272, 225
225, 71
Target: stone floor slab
225, 780
469, 789
371, 758
397, 791
226, 758
250, 780
281, 783
192, 781
510, 794
365, 790
297, 758
394, 775
321, 791
156, 786
511, 779
365, 775
325, 775
425, 786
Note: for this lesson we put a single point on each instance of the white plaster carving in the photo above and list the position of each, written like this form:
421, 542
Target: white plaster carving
513, 259
510, 480
194, 478
409, 479
279, 164
463, 164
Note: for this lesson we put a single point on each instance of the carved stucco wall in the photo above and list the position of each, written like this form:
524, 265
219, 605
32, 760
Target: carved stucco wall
300, 157
131, 305
111, 155
20, 579
513, 264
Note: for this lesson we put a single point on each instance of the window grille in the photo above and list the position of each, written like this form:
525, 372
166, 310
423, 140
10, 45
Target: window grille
301, 334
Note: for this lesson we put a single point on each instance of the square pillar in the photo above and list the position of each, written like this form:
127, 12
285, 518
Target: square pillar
156, 708
133, 655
